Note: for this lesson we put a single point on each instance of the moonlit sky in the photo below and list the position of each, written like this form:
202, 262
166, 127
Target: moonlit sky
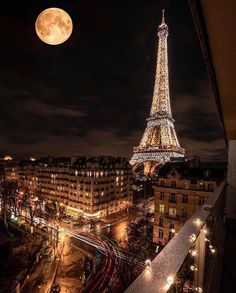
92, 94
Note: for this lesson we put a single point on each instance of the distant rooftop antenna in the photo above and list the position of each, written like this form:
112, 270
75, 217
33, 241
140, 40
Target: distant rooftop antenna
163, 15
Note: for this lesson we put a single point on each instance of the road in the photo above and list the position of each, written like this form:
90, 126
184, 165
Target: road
116, 228
101, 237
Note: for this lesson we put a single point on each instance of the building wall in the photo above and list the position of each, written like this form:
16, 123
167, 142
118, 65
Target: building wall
8, 169
176, 200
96, 192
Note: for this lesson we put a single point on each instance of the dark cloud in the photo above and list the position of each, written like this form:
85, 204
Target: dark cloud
92, 94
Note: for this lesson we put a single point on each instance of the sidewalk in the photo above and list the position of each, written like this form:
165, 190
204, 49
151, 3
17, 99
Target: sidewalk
70, 270
41, 280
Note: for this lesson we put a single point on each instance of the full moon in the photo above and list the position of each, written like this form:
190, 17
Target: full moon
53, 26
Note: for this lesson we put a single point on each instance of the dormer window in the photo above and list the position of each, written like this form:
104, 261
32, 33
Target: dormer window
173, 184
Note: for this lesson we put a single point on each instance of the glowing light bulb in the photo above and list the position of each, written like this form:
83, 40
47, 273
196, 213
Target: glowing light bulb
193, 237
193, 268
194, 252
148, 264
213, 251
198, 222
170, 280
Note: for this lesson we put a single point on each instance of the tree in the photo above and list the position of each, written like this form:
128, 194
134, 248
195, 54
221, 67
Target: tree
134, 260
30, 204
9, 199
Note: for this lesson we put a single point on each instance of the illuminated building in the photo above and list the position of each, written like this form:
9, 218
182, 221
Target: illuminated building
8, 169
92, 186
182, 187
159, 142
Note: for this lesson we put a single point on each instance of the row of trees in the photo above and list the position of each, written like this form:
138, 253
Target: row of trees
14, 202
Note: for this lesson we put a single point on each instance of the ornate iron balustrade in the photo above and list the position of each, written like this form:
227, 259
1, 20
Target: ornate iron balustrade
165, 148
191, 259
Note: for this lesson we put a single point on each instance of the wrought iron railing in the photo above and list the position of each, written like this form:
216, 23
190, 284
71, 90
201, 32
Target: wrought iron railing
191, 259
164, 148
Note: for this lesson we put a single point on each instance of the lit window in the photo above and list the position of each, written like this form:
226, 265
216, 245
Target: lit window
202, 185
162, 208
172, 212
76, 173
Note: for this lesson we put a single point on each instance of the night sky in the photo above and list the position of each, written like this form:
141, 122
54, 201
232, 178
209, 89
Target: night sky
92, 94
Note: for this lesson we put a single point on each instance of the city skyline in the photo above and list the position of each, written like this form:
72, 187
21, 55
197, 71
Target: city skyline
91, 95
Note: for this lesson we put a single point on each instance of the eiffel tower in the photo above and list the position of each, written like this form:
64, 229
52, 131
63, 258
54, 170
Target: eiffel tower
159, 143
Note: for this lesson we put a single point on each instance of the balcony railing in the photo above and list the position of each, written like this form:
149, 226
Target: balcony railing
190, 188
163, 148
191, 261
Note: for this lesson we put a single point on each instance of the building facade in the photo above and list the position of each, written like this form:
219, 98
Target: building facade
8, 169
181, 188
88, 186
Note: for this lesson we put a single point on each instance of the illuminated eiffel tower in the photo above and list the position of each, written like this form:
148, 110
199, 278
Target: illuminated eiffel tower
159, 142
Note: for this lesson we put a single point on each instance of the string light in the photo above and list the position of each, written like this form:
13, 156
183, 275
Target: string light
213, 251
170, 280
198, 222
193, 268
204, 231
148, 264
193, 237
194, 252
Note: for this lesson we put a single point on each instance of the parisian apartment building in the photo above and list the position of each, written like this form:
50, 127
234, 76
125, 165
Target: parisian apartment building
91, 186
181, 188
8, 169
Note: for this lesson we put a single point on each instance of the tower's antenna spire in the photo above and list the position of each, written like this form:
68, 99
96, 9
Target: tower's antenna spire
163, 15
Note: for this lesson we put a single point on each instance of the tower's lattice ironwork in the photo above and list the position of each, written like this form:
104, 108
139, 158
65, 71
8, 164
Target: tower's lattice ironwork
159, 142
